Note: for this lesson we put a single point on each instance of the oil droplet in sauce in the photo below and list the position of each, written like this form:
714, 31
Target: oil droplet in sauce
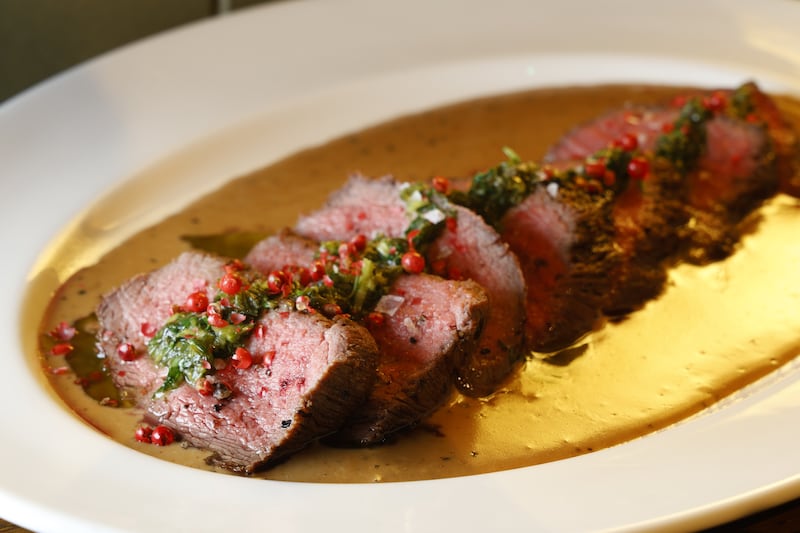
716, 328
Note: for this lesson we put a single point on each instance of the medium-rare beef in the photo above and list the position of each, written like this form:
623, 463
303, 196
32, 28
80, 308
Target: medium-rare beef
425, 327
131, 313
471, 249
561, 236
313, 372
308, 372
785, 140
731, 179
282, 249
422, 342
645, 124
362, 206
749, 103
467, 249
732, 174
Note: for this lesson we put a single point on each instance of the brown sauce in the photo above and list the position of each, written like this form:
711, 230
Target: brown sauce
715, 330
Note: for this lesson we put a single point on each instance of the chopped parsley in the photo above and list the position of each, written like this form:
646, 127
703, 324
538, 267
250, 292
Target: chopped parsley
686, 141
500, 188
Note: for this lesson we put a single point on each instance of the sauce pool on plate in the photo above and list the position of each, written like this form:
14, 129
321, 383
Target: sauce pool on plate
716, 328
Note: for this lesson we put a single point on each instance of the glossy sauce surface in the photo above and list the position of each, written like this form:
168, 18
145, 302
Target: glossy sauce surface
716, 328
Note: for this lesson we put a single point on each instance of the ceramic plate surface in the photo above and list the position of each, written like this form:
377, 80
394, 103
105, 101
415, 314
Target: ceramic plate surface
263, 83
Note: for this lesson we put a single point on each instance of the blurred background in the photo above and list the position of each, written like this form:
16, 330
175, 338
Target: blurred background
40, 38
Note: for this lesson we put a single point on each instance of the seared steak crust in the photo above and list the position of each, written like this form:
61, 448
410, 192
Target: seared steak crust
309, 372
563, 241
785, 140
647, 219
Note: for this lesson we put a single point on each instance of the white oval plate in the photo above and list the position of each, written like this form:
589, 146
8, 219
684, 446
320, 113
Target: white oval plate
234, 94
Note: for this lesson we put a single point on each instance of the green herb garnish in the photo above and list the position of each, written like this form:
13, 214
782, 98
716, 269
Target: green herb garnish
686, 141
500, 188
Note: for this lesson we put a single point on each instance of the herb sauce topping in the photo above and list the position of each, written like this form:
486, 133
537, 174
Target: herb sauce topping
346, 278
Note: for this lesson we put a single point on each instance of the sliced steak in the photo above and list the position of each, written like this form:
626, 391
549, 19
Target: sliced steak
309, 372
785, 139
314, 371
468, 249
429, 325
362, 206
471, 249
644, 123
732, 178
131, 312
562, 237
647, 216
283, 249
734, 174
748, 102
422, 343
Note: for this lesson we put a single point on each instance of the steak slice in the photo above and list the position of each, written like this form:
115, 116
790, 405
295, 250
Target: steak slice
472, 249
422, 343
143, 304
785, 140
644, 123
732, 178
748, 102
429, 325
468, 249
309, 372
562, 237
734, 174
362, 206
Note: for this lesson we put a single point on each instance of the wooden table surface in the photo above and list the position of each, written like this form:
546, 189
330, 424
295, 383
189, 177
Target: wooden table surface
780, 519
